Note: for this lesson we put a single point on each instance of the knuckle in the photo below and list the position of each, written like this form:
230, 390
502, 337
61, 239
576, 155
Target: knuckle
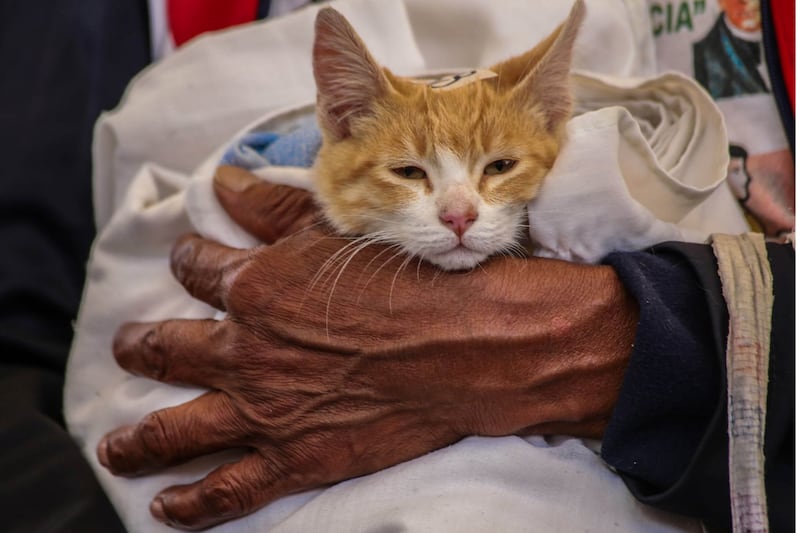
247, 286
140, 348
152, 339
182, 256
116, 458
153, 352
153, 434
224, 497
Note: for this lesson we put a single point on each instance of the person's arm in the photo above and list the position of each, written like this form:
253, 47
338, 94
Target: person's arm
329, 369
515, 347
64, 62
668, 435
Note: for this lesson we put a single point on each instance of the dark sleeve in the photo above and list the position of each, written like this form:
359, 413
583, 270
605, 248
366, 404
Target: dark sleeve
64, 61
668, 434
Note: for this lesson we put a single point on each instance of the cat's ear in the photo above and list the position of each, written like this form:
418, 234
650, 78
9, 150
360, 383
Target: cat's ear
348, 79
541, 75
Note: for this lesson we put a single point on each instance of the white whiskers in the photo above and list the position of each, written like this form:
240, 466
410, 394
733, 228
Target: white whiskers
331, 271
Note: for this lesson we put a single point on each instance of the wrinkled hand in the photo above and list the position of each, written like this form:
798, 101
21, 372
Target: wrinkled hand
337, 360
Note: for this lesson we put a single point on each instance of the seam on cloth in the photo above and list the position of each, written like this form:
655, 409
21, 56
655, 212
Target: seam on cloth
747, 287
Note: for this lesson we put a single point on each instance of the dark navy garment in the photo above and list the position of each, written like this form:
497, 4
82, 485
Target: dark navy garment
63, 62
668, 434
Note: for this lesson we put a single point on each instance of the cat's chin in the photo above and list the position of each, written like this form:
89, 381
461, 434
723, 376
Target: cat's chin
459, 258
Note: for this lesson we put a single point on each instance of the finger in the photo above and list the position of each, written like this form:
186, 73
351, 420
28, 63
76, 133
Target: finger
194, 352
174, 435
231, 491
268, 212
206, 268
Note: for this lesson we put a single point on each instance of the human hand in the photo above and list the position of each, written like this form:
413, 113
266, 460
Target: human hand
269, 212
336, 361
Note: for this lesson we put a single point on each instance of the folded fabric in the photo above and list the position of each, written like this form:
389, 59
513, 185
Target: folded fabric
249, 151
154, 163
298, 148
645, 162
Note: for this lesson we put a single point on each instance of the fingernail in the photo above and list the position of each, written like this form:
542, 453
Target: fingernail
234, 179
157, 509
102, 452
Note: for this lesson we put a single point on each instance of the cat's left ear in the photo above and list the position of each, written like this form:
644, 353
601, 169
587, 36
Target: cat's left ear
349, 80
541, 75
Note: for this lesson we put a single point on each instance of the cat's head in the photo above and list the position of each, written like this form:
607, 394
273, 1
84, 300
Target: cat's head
444, 173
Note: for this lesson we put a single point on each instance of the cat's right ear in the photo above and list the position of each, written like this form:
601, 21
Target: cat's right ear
541, 75
348, 79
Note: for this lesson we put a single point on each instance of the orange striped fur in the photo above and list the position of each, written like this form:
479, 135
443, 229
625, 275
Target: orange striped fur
445, 174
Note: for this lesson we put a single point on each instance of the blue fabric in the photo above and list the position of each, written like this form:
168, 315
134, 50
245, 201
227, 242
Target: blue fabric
248, 152
298, 148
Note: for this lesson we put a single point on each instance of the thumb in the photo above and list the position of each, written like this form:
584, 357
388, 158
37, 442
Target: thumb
268, 212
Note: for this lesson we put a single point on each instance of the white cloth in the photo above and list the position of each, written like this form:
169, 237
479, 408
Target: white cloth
153, 162
645, 162
746, 277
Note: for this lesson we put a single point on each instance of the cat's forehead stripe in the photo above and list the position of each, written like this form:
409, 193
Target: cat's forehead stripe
452, 168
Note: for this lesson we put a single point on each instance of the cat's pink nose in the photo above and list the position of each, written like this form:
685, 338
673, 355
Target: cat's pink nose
458, 222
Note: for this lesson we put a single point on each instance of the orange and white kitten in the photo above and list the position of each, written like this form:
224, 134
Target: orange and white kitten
443, 172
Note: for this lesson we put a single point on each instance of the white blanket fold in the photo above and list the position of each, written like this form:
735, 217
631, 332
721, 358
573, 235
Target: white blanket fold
645, 162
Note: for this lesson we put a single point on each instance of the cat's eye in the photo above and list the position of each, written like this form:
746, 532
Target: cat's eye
411, 173
501, 166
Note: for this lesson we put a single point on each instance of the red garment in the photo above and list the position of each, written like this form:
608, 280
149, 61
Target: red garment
783, 22
189, 18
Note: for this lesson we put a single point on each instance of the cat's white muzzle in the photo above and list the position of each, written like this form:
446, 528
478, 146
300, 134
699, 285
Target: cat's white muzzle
459, 258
